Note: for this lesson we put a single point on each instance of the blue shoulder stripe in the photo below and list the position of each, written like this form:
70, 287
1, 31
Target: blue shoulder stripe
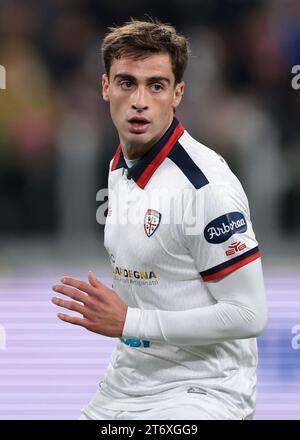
180, 157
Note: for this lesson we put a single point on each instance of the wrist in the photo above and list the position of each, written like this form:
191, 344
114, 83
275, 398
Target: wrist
132, 323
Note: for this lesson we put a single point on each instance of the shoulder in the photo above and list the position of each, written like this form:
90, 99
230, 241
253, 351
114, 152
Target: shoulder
192, 165
208, 172
209, 162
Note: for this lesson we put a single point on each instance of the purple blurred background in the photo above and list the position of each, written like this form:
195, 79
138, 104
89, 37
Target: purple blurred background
56, 140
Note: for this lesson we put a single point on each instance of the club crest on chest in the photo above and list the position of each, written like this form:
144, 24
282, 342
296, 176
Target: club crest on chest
151, 221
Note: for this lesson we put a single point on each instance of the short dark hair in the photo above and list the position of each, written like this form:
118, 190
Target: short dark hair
139, 38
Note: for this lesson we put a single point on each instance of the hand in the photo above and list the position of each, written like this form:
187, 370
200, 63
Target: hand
102, 309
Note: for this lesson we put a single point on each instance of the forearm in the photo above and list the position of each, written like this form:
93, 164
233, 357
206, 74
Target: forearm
200, 326
240, 312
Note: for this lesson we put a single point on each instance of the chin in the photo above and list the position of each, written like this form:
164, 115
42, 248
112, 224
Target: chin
139, 138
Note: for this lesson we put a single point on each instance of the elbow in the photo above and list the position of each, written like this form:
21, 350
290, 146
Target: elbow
258, 329
258, 324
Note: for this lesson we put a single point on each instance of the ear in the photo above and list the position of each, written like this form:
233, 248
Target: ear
178, 93
105, 87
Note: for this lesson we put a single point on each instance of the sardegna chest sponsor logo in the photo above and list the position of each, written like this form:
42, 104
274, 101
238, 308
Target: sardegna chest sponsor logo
223, 227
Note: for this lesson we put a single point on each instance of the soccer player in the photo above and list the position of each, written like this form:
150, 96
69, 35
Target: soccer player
188, 296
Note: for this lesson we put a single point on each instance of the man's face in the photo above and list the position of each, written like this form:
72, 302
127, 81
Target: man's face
142, 95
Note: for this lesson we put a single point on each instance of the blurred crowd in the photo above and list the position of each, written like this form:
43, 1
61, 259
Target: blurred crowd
56, 137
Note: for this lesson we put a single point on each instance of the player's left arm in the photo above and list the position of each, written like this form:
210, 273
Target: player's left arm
240, 312
218, 233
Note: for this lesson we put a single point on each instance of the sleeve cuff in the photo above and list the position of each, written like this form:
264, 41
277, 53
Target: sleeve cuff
132, 323
226, 268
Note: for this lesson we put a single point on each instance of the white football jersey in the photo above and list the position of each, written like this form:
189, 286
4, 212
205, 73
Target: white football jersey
177, 220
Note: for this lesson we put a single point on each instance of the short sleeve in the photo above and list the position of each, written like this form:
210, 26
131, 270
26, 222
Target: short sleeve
218, 230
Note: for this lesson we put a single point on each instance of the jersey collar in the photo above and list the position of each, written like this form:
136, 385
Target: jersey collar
143, 169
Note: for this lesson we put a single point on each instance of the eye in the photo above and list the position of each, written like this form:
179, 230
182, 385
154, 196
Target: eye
156, 87
126, 85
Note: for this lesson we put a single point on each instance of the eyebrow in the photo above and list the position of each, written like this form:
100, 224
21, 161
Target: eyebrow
152, 79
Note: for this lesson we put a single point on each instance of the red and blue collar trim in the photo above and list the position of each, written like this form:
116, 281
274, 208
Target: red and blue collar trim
144, 168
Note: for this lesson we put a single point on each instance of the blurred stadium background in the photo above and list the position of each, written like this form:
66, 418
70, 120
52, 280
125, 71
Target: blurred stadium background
56, 140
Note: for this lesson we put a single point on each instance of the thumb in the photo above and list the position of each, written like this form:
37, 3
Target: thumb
93, 280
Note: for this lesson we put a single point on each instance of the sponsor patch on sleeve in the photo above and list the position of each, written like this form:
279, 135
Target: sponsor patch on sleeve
222, 228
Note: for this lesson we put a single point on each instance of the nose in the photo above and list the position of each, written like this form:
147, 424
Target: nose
139, 99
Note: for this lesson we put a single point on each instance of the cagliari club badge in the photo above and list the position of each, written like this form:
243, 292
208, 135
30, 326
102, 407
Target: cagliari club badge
151, 221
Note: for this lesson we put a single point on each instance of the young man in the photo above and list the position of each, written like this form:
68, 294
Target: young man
188, 295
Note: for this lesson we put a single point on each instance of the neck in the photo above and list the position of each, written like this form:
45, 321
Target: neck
133, 151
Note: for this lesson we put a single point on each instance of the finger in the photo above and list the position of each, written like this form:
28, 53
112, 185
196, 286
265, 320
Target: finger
93, 280
72, 293
70, 305
72, 319
81, 285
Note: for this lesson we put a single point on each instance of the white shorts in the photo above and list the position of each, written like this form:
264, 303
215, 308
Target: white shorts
180, 407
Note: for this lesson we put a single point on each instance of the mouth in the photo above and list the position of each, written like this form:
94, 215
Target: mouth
138, 125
